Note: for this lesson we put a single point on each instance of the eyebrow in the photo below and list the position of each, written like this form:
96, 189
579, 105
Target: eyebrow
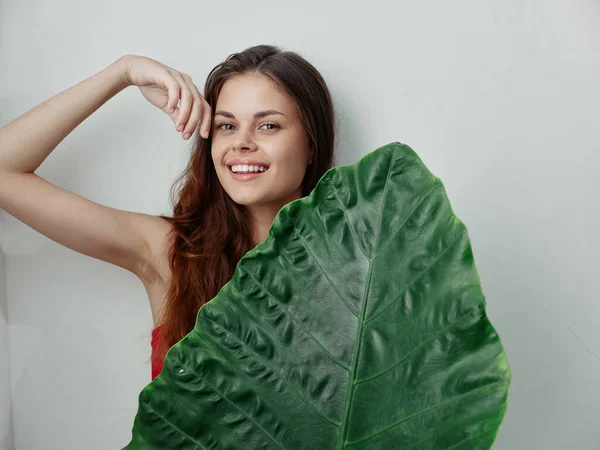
258, 115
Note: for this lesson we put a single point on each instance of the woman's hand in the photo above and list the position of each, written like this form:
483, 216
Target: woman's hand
164, 87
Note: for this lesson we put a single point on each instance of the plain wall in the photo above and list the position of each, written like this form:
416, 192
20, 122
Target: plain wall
6, 425
501, 100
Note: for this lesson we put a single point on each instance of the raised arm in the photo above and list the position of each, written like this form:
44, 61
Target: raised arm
126, 239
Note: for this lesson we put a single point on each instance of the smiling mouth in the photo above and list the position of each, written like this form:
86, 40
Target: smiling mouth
240, 172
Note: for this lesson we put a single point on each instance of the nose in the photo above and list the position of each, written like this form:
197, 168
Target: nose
243, 141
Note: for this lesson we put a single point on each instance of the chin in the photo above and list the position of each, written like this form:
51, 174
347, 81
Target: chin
243, 202
246, 200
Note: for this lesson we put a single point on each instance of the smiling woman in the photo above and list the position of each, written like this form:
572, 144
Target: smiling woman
263, 128
271, 140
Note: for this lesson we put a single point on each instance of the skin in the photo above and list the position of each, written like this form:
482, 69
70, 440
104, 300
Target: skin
280, 140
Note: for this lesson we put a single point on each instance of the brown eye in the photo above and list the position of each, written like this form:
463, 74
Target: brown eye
270, 124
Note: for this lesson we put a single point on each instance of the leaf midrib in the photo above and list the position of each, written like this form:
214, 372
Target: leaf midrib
355, 357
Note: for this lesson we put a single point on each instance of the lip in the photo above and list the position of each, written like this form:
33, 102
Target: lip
249, 162
245, 176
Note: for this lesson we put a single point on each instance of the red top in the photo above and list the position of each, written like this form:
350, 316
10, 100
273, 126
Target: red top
157, 365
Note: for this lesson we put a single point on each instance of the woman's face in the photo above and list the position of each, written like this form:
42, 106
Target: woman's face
255, 120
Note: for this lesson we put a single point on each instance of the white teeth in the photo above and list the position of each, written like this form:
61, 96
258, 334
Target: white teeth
247, 168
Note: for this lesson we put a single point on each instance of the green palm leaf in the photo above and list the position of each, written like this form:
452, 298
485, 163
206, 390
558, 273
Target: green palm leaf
359, 323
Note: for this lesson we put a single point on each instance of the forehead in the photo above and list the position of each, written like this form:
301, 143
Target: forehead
253, 92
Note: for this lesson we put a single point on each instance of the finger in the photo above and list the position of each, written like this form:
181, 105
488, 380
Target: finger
185, 105
196, 113
205, 110
172, 115
173, 90
205, 124
192, 122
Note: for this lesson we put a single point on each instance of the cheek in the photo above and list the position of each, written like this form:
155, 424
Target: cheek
295, 167
216, 153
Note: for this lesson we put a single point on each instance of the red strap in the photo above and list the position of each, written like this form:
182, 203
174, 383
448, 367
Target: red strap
157, 364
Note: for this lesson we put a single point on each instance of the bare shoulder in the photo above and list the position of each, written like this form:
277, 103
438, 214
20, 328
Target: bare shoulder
134, 241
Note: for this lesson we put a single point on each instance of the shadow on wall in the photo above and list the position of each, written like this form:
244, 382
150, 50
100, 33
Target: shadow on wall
6, 419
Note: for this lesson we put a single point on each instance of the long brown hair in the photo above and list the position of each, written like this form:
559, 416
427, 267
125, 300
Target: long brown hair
210, 231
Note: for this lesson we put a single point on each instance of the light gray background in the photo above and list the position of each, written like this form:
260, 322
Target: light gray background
499, 98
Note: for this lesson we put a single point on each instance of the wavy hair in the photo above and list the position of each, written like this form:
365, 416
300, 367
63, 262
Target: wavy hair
211, 232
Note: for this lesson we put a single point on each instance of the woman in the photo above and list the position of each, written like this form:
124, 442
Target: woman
265, 137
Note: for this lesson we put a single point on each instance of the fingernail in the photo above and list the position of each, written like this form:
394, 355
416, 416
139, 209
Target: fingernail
186, 135
180, 127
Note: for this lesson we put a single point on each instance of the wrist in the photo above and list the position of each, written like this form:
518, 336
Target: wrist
121, 68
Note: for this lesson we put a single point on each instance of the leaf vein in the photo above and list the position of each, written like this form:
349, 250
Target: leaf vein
279, 375
361, 325
295, 319
487, 387
348, 220
382, 203
199, 445
234, 405
357, 348
412, 213
412, 282
435, 335
325, 274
